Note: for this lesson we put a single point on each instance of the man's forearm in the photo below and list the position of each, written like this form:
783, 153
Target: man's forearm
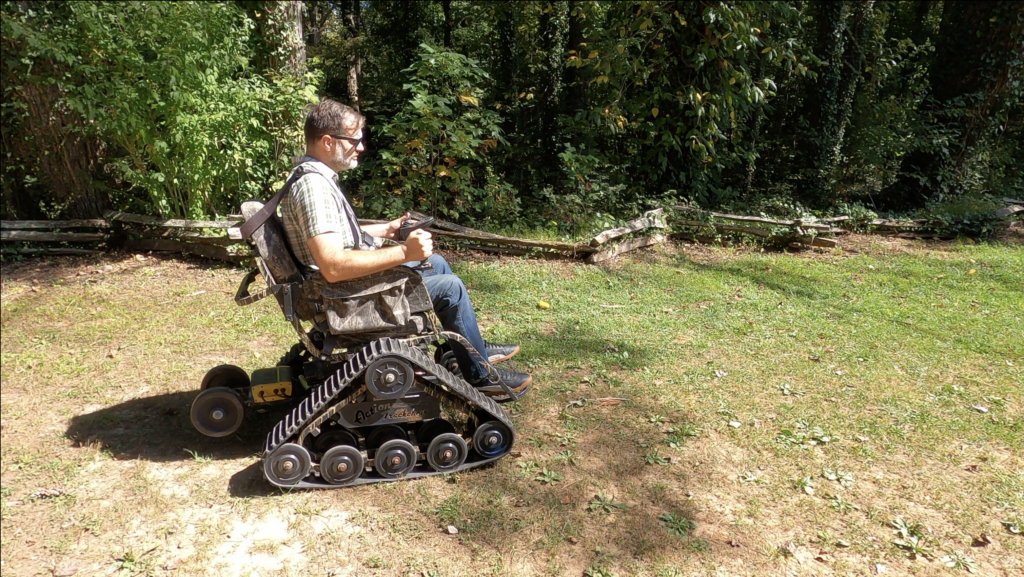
340, 265
382, 230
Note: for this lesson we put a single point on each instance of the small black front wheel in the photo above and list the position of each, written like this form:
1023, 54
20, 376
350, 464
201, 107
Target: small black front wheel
217, 412
228, 376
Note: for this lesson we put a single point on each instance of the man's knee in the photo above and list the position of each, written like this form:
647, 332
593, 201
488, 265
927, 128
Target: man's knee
447, 290
439, 263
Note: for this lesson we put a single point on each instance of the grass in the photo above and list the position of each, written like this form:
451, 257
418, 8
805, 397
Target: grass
778, 407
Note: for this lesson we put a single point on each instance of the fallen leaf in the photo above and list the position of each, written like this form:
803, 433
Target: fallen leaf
47, 493
734, 543
972, 271
981, 541
972, 468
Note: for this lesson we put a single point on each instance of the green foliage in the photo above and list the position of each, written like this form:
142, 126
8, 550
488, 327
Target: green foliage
167, 86
532, 112
968, 216
678, 116
438, 144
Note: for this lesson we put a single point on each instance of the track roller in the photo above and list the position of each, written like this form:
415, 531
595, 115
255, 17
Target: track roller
288, 464
342, 464
491, 439
217, 412
389, 378
395, 458
447, 452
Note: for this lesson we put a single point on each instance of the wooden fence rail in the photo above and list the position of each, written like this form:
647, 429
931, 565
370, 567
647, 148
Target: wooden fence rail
222, 239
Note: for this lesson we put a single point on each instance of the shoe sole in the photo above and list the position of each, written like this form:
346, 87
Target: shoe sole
497, 359
498, 391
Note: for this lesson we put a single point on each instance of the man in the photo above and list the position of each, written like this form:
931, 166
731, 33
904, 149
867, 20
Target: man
324, 233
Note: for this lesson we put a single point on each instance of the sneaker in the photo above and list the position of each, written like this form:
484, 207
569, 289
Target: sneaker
517, 382
497, 353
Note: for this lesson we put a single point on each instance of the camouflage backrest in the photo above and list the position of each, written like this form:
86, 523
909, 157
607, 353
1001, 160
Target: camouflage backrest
272, 246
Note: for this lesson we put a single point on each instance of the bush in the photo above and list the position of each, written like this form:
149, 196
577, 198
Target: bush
189, 127
435, 148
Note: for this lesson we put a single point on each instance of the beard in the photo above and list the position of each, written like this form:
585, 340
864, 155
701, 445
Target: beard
347, 161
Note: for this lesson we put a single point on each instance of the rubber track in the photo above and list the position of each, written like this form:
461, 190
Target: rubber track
322, 396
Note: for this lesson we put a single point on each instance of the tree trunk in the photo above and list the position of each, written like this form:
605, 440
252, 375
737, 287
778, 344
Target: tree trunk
823, 107
920, 33
577, 96
318, 12
507, 50
446, 8
507, 90
552, 43
353, 24
296, 61
66, 182
279, 38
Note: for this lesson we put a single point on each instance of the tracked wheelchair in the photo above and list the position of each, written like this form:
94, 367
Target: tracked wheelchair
369, 401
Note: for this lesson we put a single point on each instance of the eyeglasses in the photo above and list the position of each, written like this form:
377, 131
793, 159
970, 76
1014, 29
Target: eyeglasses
349, 138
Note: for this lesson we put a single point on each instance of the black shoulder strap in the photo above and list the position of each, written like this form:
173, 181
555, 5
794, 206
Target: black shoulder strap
270, 208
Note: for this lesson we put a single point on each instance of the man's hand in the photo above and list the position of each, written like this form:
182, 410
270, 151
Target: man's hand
419, 246
394, 225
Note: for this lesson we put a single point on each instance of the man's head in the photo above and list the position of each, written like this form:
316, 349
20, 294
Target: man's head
334, 134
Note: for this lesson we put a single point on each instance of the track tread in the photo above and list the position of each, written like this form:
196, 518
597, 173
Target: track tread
448, 385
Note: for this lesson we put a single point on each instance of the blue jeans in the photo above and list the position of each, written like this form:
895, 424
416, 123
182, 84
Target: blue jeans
451, 303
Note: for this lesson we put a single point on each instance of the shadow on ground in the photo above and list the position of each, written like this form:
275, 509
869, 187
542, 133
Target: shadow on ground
158, 428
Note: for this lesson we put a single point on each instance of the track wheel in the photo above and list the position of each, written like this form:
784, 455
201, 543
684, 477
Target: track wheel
217, 412
492, 439
447, 452
432, 428
447, 360
389, 378
395, 458
287, 465
382, 434
333, 437
342, 464
228, 376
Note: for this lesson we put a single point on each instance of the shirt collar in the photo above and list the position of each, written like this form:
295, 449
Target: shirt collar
319, 166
